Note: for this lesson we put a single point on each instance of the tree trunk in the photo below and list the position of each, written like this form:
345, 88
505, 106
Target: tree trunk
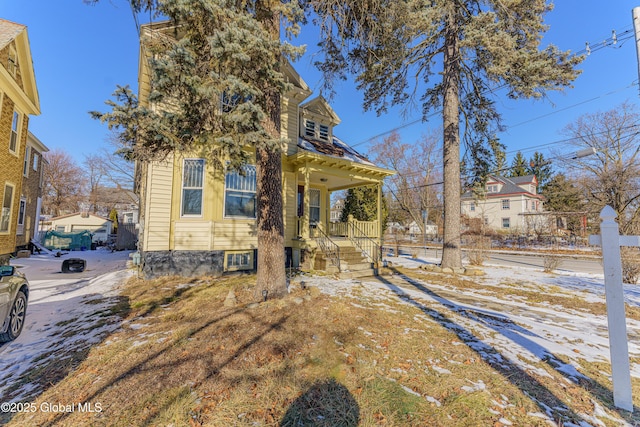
271, 259
451, 253
271, 281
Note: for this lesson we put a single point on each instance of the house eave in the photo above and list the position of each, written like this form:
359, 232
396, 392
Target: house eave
305, 157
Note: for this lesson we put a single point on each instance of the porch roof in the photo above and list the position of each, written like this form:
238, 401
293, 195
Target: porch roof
336, 165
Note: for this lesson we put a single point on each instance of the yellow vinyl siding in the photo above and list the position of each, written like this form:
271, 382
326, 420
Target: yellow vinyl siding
289, 118
235, 235
192, 235
159, 185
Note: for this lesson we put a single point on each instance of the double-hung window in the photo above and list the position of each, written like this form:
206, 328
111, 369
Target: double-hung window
15, 126
25, 166
7, 203
240, 193
506, 222
192, 185
314, 205
506, 204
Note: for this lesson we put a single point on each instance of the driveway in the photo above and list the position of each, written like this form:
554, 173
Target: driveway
67, 313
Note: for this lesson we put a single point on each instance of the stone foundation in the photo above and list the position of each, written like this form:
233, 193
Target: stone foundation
182, 263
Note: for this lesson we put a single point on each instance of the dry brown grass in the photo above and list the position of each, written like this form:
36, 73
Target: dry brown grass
184, 359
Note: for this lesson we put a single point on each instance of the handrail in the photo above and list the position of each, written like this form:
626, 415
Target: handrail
369, 247
330, 249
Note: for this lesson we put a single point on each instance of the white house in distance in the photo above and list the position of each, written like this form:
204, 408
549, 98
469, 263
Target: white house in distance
416, 229
99, 226
509, 204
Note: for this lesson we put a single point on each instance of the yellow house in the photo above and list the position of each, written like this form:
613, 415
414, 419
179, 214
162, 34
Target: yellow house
18, 100
196, 222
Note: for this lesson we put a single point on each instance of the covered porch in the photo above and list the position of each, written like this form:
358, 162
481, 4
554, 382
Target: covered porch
318, 176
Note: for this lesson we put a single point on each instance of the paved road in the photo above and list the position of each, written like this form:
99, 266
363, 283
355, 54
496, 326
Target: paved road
569, 263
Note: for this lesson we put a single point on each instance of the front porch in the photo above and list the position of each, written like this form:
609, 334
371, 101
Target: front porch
318, 170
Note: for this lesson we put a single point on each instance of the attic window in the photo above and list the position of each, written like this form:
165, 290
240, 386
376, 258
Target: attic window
12, 65
324, 132
310, 128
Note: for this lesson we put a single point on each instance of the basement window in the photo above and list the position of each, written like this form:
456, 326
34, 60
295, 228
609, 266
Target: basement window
236, 261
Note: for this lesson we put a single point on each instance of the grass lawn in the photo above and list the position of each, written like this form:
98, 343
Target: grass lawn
184, 357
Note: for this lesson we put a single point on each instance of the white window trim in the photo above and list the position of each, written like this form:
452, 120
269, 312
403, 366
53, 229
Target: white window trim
16, 149
182, 215
508, 220
506, 206
319, 203
224, 201
22, 213
323, 132
27, 162
13, 194
248, 266
310, 128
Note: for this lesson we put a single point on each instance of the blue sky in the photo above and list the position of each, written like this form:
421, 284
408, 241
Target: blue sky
82, 52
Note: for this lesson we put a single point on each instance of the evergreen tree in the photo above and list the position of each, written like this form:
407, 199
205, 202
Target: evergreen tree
362, 203
214, 90
518, 166
499, 156
448, 55
564, 196
113, 216
541, 168
486, 158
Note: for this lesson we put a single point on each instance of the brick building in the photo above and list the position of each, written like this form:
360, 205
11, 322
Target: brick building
31, 196
18, 100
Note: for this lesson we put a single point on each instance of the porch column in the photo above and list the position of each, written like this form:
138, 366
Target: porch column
379, 207
305, 204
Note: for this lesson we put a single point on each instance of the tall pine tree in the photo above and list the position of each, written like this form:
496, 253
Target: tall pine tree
448, 55
541, 168
217, 53
518, 166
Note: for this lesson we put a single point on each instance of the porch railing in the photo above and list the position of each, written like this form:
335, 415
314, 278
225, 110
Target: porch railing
342, 229
330, 249
361, 238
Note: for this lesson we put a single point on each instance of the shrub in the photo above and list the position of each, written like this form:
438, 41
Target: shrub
551, 262
630, 265
477, 253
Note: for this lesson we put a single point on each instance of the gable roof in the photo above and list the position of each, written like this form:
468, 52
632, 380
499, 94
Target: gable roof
80, 214
320, 106
9, 31
26, 97
509, 187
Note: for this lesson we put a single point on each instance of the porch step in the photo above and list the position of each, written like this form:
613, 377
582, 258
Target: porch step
352, 263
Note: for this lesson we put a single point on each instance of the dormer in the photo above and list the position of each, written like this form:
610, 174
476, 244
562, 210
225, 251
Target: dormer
317, 120
493, 186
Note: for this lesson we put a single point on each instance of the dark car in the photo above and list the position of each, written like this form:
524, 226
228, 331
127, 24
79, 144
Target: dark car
14, 293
